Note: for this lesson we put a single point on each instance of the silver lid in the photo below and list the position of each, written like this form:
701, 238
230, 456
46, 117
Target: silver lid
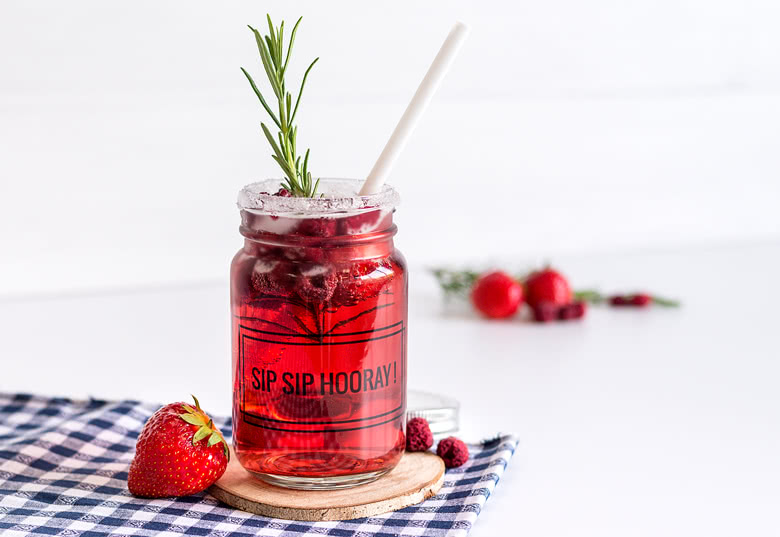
442, 413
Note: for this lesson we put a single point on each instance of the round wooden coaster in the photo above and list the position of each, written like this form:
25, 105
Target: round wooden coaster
416, 478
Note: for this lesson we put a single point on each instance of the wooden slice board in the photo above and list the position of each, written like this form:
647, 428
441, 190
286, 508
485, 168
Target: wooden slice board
416, 478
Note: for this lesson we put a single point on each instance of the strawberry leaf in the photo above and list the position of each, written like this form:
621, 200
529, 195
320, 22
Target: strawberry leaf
201, 433
214, 438
192, 419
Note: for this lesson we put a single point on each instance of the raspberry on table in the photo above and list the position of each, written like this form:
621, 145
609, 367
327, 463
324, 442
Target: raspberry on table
545, 312
418, 435
619, 300
641, 300
575, 310
453, 451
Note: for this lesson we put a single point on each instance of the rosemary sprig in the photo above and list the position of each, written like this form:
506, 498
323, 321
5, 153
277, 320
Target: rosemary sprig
455, 282
298, 179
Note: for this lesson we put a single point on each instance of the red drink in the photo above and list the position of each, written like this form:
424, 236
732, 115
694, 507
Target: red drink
319, 340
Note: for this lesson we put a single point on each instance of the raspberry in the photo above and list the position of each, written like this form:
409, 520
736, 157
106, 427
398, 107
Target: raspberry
317, 227
309, 255
361, 281
453, 451
618, 300
360, 223
418, 435
544, 312
575, 310
641, 300
272, 278
316, 284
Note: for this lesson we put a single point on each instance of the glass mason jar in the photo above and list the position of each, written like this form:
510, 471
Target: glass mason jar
319, 309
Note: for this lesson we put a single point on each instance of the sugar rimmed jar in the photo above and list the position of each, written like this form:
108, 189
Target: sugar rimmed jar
319, 320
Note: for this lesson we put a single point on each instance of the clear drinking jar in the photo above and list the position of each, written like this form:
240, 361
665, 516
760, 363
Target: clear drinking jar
319, 309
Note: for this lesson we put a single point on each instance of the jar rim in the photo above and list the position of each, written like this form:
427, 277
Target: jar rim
341, 197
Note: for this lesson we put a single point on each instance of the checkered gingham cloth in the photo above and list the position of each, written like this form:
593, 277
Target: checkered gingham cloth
63, 471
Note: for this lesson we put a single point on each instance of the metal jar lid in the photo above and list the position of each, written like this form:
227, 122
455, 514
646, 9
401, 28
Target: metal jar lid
442, 413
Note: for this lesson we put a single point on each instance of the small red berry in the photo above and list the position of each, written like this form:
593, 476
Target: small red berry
544, 312
641, 300
575, 310
283, 192
547, 285
317, 227
363, 223
418, 435
618, 300
453, 451
315, 285
497, 295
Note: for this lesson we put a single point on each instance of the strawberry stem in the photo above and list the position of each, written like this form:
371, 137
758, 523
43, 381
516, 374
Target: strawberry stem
666, 302
206, 429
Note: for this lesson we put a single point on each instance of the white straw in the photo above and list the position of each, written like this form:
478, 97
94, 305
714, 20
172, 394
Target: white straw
417, 106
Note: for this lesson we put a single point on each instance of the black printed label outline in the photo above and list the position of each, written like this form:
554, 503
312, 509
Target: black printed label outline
249, 417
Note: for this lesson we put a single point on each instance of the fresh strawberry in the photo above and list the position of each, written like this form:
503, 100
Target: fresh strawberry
497, 295
179, 452
547, 285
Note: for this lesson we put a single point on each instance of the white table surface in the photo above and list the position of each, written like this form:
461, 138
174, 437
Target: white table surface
661, 422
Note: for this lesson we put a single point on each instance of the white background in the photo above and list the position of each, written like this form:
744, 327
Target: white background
126, 129
635, 144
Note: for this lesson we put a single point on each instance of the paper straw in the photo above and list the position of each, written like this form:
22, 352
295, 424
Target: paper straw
430, 83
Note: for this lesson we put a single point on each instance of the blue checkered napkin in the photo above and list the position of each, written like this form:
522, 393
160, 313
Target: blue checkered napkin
63, 471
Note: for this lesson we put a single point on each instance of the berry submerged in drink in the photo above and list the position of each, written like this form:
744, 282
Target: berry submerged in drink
319, 313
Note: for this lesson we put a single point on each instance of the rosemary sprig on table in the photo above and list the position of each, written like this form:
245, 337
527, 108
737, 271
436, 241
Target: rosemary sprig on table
455, 282
298, 179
